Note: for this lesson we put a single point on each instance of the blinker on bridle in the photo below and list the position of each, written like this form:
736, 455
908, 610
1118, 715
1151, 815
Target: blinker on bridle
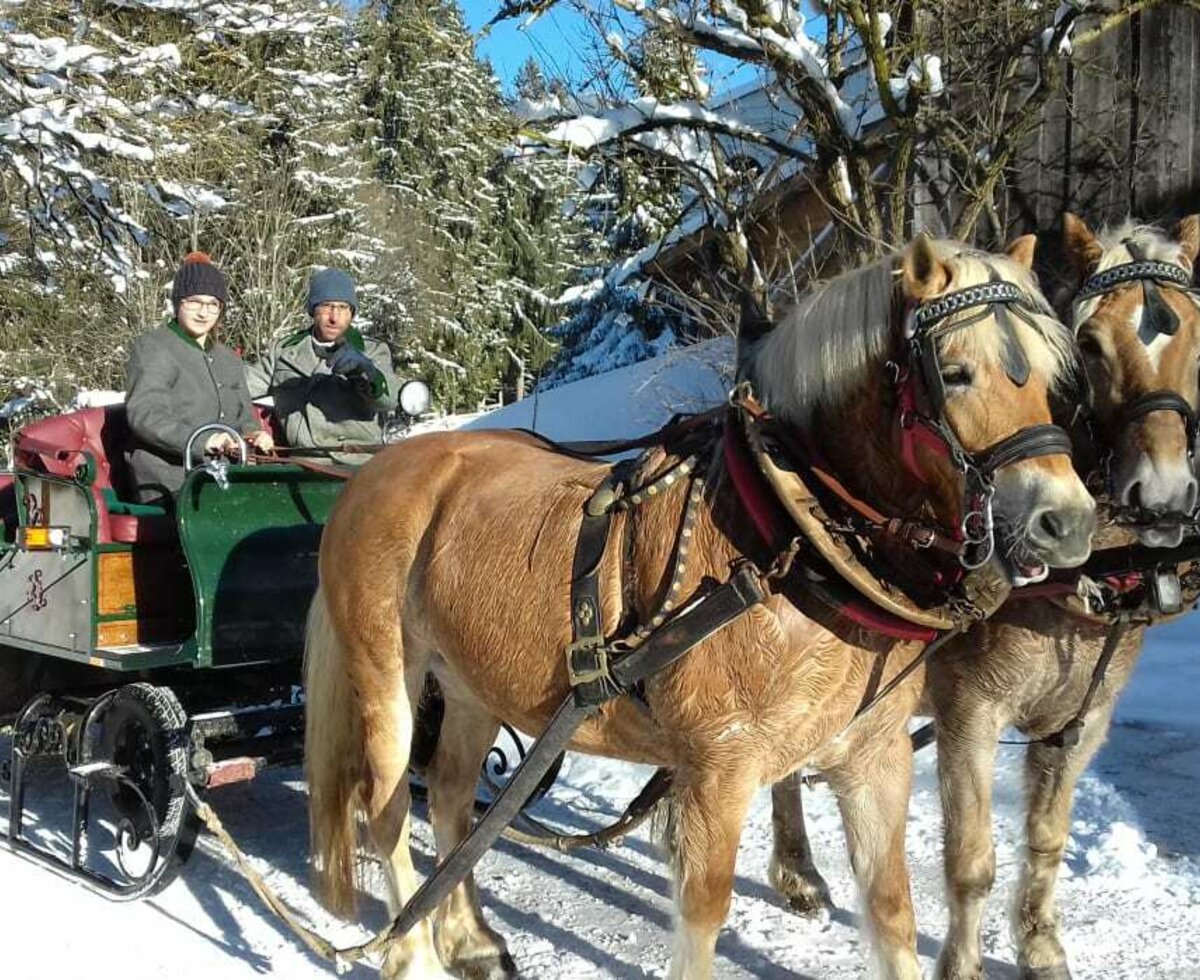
1157, 318
1001, 300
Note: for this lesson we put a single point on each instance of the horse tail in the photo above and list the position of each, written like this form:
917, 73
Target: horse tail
427, 726
333, 762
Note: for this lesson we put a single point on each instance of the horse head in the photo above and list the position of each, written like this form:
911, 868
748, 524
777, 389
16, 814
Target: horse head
943, 358
1137, 322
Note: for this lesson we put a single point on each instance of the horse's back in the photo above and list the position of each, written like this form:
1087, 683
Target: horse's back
463, 508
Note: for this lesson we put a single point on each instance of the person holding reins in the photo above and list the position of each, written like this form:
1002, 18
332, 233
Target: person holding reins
332, 386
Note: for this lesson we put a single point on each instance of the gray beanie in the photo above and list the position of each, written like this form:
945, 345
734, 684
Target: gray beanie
331, 286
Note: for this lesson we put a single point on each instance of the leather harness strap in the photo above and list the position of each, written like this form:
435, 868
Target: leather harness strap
910, 533
1068, 736
587, 658
326, 469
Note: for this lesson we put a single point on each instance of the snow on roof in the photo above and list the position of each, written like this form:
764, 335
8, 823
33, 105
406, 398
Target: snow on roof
628, 401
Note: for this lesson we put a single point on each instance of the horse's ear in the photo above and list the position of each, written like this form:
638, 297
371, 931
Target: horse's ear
1021, 250
925, 275
1083, 248
1188, 235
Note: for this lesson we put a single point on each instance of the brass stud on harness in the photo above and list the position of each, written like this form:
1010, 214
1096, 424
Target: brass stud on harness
584, 613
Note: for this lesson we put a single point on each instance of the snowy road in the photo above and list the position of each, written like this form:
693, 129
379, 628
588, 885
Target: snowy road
1130, 892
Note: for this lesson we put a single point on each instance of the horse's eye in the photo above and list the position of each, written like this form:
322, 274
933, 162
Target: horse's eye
1089, 346
956, 375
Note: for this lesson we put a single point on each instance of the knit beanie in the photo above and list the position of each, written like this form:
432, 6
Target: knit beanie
331, 286
198, 277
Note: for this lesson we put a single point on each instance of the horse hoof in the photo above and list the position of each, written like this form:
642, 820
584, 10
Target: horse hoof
1057, 972
807, 894
810, 906
500, 966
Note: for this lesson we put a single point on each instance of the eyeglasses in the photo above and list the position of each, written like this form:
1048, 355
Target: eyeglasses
334, 307
207, 305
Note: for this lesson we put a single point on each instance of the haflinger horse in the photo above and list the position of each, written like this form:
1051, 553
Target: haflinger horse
452, 553
1030, 666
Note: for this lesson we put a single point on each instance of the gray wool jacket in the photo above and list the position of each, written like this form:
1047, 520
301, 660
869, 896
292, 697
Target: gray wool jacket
315, 407
172, 387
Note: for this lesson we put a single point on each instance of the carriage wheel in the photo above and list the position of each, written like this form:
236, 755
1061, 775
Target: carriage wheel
143, 734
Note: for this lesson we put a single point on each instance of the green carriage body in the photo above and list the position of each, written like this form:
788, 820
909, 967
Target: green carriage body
223, 583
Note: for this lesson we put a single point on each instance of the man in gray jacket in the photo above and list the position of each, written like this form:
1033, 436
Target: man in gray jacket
331, 384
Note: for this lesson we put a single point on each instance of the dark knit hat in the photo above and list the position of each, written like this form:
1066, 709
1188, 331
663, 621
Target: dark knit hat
331, 286
198, 277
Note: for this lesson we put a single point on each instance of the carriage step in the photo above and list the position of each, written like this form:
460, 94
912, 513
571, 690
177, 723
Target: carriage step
87, 771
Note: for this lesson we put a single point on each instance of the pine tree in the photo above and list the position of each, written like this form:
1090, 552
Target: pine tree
632, 201
530, 83
203, 160
487, 243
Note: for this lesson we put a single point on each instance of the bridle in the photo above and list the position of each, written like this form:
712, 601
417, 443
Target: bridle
1157, 318
921, 400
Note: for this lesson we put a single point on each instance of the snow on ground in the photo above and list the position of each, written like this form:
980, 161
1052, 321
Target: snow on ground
1129, 892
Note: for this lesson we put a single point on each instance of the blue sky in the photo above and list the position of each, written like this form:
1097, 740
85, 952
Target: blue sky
558, 41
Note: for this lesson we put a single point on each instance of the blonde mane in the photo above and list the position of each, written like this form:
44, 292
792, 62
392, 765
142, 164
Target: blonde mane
838, 336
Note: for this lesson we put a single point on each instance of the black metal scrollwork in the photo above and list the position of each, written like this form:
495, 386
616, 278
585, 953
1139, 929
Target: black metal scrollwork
35, 594
33, 509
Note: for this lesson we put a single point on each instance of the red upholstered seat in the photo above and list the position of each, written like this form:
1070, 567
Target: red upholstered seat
57, 446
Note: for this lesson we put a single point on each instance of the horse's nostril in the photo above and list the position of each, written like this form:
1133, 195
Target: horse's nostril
1190, 497
1051, 524
1133, 496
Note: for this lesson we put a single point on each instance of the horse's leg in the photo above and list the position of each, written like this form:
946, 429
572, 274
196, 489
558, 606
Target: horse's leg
1050, 777
709, 809
792, 872
967, 734
872, 791
387, 741
468, 947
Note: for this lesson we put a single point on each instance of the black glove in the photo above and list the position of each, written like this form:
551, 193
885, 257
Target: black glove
354, 365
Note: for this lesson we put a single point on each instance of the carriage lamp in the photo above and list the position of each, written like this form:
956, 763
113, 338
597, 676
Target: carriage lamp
41, 538
414, 398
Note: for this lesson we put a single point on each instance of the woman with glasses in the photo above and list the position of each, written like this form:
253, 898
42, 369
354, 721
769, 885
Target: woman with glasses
178, 378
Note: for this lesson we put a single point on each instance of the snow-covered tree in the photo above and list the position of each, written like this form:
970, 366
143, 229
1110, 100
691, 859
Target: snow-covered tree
486, 238
142, 139
892, 115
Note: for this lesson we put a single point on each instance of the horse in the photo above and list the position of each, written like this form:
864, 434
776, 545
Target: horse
1031, 664
452, 553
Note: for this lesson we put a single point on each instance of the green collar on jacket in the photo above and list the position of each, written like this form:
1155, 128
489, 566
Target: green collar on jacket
187, 338
351, 337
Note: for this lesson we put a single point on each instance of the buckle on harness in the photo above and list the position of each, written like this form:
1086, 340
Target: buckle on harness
587, 662
592, 682
1166, 593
